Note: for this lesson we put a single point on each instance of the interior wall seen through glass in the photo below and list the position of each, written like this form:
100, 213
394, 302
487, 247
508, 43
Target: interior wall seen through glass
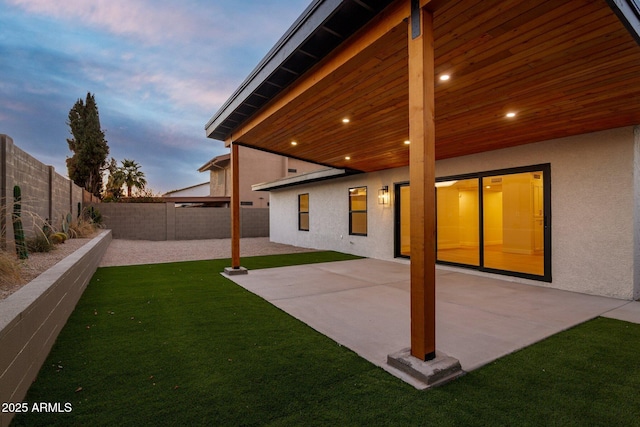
458, 222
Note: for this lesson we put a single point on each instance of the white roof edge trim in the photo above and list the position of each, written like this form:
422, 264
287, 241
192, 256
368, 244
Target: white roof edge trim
299, 179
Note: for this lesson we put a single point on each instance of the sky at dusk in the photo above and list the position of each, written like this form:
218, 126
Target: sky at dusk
159, 70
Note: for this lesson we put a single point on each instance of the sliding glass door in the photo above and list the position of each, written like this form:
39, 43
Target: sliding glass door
496, 221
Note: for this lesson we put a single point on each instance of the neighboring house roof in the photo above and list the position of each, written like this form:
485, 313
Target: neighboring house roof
198, 199
193, 196
175, 193
218, 162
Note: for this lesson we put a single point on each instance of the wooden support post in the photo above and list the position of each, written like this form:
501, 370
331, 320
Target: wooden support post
235, 207
422, 177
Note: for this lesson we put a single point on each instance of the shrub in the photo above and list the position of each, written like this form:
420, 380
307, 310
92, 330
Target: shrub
9, 269
81, 228
40, 243
94, 216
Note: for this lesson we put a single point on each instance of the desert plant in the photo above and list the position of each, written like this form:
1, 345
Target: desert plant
9, 269
93, 215
66, 221
46, 228
18, 231
59, 238
39, 243
82, 228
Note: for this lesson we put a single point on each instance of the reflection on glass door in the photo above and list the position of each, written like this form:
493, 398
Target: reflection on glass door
457, 221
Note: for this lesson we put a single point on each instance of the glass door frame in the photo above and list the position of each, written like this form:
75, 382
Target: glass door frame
546, 171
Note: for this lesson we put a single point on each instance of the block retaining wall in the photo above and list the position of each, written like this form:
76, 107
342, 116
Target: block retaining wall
32, 317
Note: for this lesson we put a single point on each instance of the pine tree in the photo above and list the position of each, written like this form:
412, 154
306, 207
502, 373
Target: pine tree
115, 181
88, 145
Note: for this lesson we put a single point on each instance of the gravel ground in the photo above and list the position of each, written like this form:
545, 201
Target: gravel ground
39, 262
132, 252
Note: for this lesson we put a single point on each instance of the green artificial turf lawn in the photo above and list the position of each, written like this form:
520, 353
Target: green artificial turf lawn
178, 344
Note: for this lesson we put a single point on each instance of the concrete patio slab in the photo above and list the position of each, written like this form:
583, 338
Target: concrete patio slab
364, 305
630, 312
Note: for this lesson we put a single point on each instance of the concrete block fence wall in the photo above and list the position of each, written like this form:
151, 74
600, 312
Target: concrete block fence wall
45, 193
164, 221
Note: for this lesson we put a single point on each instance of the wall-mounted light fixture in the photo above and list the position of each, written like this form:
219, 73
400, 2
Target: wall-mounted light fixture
383, 195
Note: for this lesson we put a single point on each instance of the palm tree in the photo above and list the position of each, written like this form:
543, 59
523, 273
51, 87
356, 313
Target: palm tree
133, 176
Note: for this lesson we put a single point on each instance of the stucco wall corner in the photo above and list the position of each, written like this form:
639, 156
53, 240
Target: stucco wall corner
636, 212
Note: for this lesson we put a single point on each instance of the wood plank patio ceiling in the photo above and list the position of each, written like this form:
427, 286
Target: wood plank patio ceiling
565, 67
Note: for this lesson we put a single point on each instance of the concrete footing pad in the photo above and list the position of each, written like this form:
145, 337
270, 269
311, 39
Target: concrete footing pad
432, 373
230, 271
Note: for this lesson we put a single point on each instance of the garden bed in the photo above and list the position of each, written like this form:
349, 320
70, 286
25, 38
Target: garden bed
39, 262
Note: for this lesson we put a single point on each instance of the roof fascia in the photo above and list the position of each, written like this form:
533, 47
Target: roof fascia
303, 27
628, 11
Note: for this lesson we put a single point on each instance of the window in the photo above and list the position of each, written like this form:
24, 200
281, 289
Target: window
246, 203
358, 211
303, 212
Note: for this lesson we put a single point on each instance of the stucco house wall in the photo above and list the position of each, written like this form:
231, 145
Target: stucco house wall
329, 215
255, 167
636, 211
594, 193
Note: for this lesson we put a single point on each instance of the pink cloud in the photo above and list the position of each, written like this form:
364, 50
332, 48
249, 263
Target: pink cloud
151, 22
158, 21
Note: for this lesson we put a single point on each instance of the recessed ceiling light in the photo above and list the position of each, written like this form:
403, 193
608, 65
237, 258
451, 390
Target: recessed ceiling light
407, 142
294, 143
511, 114
347, 158
444, 77
346, 120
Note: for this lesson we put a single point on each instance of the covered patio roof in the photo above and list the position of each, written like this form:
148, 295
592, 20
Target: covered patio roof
564, 67
520, 71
